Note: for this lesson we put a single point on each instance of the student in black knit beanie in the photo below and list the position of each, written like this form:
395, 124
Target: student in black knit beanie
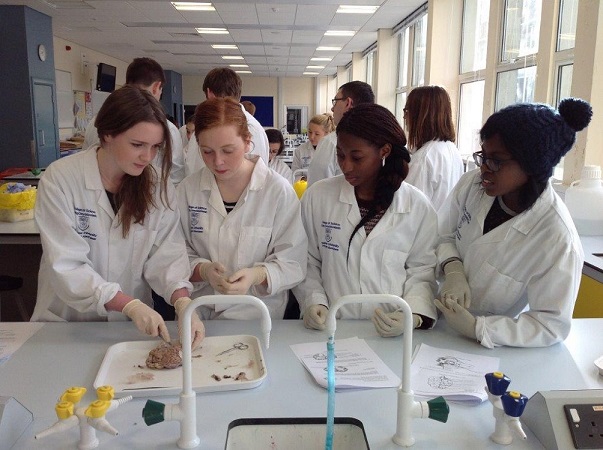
508, 248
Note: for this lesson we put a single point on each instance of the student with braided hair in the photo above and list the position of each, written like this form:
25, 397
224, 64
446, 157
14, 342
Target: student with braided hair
371, 232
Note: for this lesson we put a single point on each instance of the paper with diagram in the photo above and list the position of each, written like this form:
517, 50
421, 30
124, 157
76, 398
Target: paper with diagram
454, 375
357, 366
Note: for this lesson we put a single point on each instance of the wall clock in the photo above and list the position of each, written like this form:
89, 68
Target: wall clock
42, 52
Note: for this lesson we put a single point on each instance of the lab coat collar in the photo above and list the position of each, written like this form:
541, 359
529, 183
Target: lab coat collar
531, 217
400, 203
93, 179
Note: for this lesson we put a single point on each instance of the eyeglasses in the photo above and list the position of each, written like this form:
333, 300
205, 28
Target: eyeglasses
335, 100
492, 163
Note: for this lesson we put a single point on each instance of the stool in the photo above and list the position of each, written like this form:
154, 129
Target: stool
8, 283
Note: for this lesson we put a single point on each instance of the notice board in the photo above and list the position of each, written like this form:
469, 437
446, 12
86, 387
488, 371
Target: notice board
264, 109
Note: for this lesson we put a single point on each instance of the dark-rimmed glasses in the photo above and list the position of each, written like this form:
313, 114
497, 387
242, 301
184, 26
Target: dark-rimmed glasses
335, 100
491, 163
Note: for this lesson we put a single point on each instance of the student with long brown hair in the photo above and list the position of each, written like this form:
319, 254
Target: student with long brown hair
435, 164
109, 224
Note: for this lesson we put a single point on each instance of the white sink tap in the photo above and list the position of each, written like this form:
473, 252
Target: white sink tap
408, 409
186, 410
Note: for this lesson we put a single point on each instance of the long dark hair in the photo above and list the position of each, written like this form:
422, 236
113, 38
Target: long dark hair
123, 109
428, 116
378, 126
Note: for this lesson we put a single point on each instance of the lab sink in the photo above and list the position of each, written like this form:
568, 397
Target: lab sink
299, 432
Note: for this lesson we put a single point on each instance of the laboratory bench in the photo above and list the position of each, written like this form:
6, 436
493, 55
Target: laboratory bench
61, 355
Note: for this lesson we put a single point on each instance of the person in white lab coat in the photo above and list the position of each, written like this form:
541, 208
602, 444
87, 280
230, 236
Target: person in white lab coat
435, 163
510, 253
369, 232
241, 220
276, 142
319, 126
109, 225
187, 130
225, 82
324, 162
147, 74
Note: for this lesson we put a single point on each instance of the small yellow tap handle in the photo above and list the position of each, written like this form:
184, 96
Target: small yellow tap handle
97, 408
64, 410
105, 392
73, 394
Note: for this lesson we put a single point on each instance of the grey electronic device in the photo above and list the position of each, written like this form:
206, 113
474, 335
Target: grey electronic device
14, 420
545, 415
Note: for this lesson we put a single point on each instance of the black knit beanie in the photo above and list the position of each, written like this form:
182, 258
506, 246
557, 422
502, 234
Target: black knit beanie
536, 135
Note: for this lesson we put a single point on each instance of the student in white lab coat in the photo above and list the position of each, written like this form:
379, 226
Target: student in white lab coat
324, 162
241, 220
319, 126
225, 82
187, 130
109, 225
147, 74
276, 143
369, 232
435, 162
510, 253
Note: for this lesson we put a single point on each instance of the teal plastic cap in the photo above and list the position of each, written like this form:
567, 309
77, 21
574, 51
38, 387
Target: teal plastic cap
438, 409
152, 412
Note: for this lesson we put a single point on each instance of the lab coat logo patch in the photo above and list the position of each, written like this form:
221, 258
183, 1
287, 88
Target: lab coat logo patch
83, 223
329, 229
194, 217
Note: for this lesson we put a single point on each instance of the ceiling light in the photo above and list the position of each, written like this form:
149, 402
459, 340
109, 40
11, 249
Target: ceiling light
321, 59
193, 6
224, 46
328, 49
340, 33
232, 57
315, 67
243, 71
310, 73
238, 65
212, 30
357, 9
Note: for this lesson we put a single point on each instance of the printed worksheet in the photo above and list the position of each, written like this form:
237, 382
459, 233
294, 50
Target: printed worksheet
454, 375
13, 335
357, 366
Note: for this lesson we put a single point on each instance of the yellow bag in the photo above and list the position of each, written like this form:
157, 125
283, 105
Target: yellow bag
16, 206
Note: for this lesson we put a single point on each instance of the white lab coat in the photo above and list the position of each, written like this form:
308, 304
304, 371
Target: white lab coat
259, 146
177, 173
435, 169
264, 228
85, 259
524, 274
324, 162
302, 156
398, 256
281, 168
184, 137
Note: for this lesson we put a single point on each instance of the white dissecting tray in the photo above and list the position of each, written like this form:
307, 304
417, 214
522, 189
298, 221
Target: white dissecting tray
124, 368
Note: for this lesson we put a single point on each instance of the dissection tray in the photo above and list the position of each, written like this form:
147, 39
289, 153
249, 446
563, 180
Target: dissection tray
300, 432
222, 363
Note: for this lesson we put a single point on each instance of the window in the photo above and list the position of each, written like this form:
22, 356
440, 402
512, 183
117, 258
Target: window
475, 35
568, 17
516, 73
521, 29
473, 60
412, 43
470, 117
370, 67
419, 51
564, 58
